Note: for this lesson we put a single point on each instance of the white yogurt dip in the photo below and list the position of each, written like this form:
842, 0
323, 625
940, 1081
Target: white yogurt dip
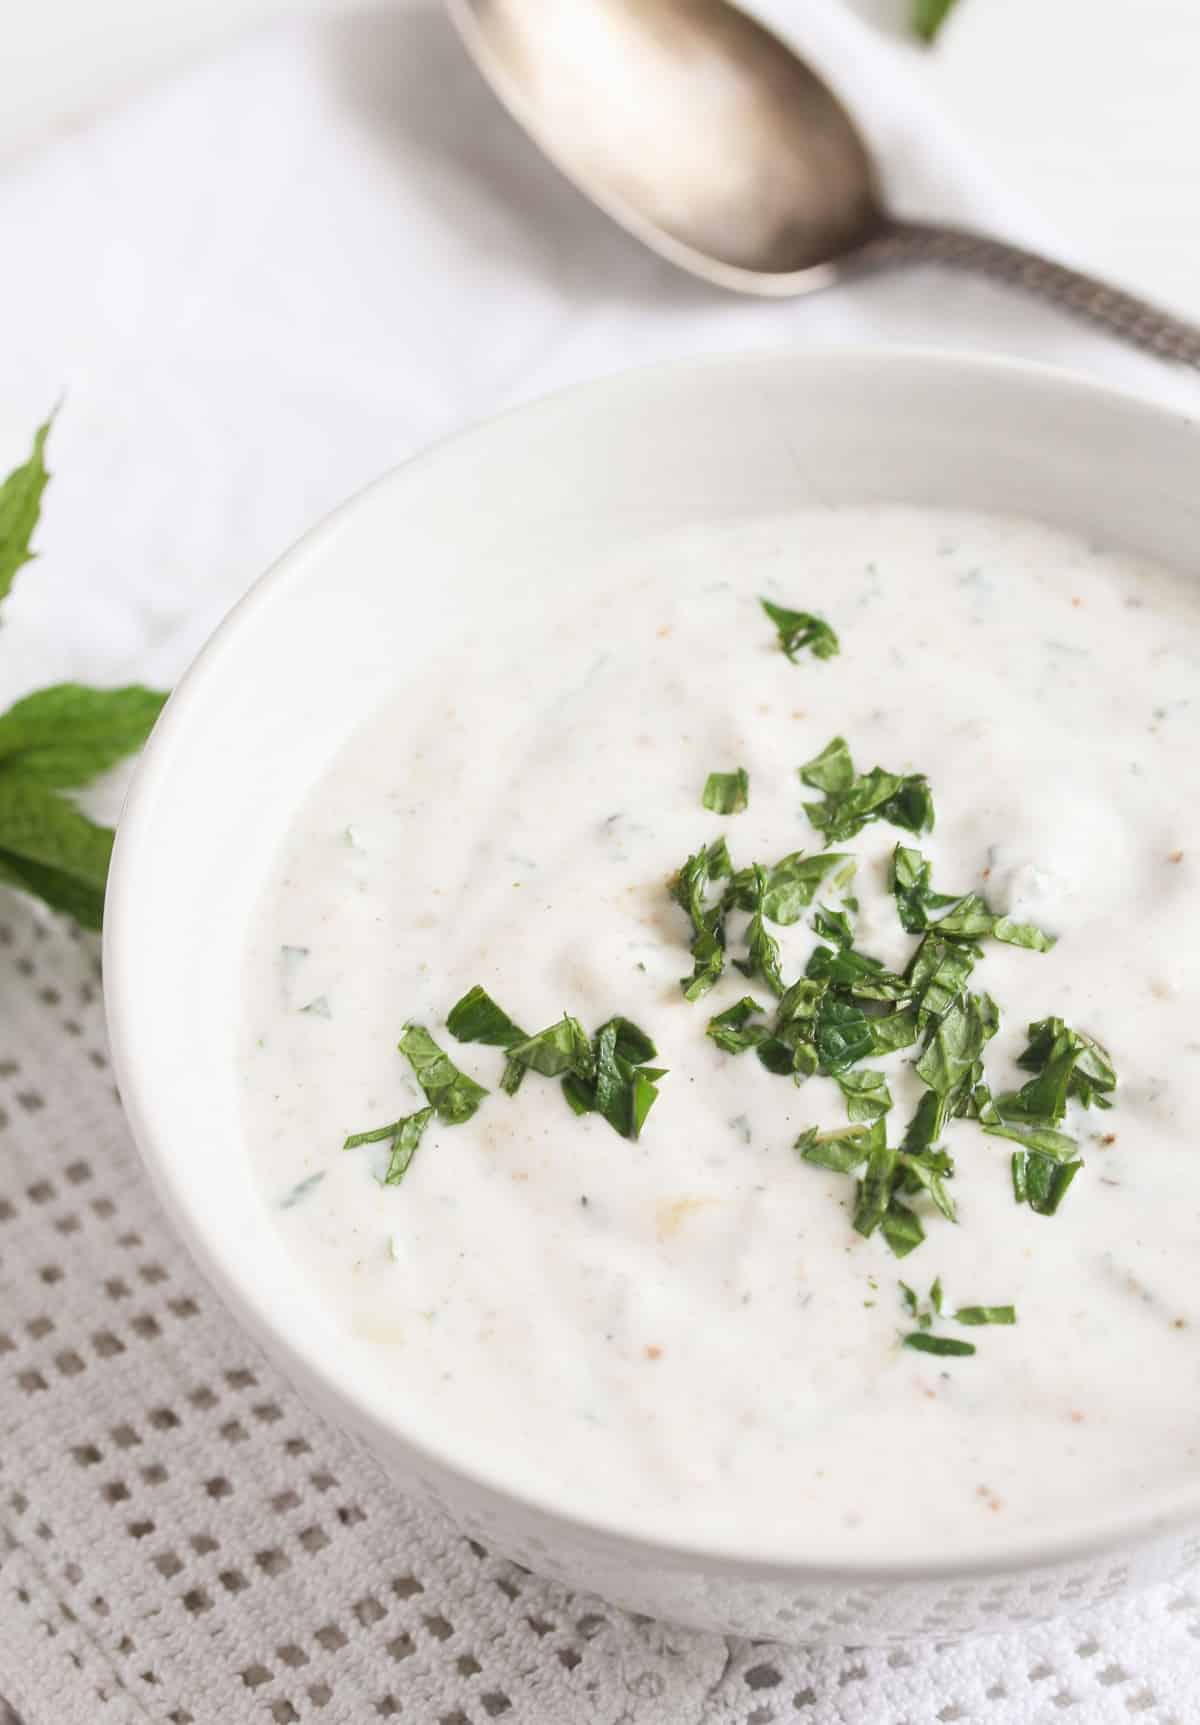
686, 1328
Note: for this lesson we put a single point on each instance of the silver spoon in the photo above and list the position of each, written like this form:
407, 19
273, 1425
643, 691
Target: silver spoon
699, 131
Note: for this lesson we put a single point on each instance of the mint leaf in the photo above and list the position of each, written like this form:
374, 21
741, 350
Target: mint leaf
928, 16
453, 1094
689, 889
853, 799
20, 506
405, 1136
986, 1315
732, 1030
800, 629
66, 735
924, 1343
477, 1018
866, 1092
727, 793
762, 949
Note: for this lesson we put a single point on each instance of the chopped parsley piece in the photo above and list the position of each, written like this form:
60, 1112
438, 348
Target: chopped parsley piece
405, 1136
853, 799
800, 629
1040, 1182
454, 1096
853, 972
727, 793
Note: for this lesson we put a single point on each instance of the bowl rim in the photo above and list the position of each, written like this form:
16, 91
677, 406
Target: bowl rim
148, 1110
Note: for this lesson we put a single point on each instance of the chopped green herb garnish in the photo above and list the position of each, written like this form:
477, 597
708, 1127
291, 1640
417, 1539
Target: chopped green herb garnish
762, 949
927, 1344
794, 881
853, 799
689, 888
986, 1315
928, 16
404, 1135
800, 629
1040, 1182
1069, 1065
966, 916
614, 1080
866, 1092
477, 1018
732, 1029
564, 1046
842, 1152
727, 793
454, 1095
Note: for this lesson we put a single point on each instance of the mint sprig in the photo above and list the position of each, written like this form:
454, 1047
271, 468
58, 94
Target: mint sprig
57, 740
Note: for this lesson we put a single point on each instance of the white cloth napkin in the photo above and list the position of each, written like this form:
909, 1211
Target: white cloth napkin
255, 289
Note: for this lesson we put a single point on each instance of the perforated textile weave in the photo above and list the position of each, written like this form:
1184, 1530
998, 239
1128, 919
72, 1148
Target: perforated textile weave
182, 1541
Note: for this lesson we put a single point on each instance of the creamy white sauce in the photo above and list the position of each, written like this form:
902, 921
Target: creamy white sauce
687, 1328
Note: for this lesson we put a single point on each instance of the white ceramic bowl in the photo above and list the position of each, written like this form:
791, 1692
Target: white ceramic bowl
334, 630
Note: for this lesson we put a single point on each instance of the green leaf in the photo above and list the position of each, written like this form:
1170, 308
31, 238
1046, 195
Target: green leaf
950, 1058
843, 1151
965, 916
405, 1135
727, 793
895, 1030
732, 1030
562, 1047
1022, 934
902, 1229
866, 1092
851, 800
875, 1188
1069, 1064
856, 974
844, 1035
1058, 1146
762, 949
66, 735
1040, 1182
477, 1018
832, 771
20, 506
39, 827
689, 889
924, 1343
986, 1315
800, 629
794, 881
76, 898
453, 1094
938, 973
928, 16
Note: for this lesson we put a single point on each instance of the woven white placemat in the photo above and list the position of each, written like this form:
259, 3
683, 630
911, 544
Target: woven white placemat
259, 287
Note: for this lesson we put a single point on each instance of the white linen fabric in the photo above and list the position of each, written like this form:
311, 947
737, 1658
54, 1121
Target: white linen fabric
255, 289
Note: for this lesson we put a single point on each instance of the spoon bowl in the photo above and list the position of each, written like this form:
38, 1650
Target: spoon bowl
711, 140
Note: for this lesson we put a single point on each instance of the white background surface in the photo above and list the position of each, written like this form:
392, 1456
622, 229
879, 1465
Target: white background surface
1086, 107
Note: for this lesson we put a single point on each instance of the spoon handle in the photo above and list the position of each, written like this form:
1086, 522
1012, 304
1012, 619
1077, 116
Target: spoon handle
1122, 314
